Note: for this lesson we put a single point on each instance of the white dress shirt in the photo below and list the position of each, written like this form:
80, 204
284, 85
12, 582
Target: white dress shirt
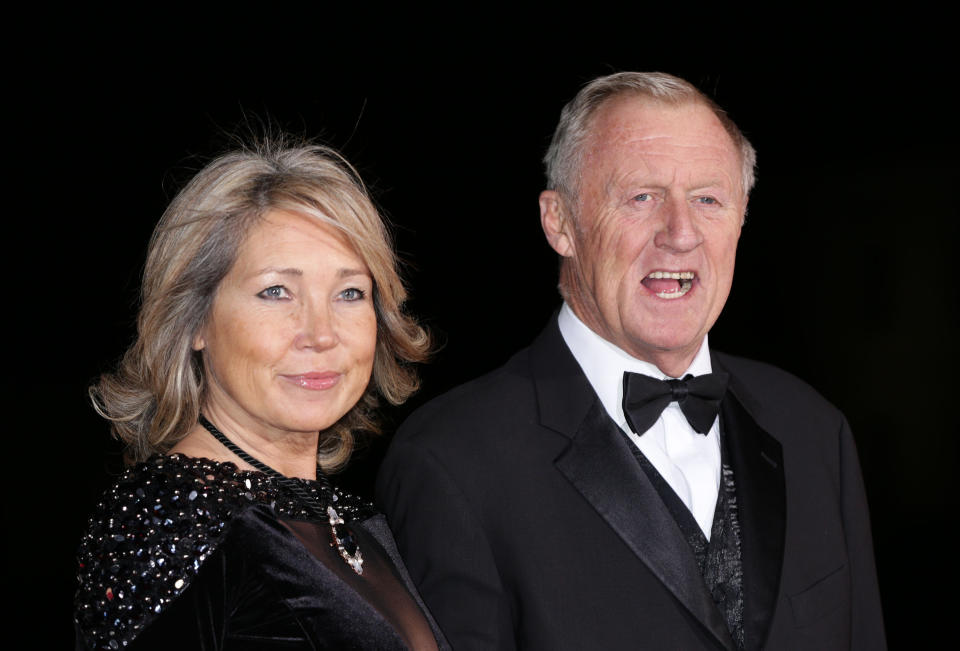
689, 462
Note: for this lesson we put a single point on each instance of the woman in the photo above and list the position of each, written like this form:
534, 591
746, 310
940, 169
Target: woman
270, 325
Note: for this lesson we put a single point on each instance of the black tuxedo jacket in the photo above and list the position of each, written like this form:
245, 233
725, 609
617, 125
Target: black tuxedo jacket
526, 521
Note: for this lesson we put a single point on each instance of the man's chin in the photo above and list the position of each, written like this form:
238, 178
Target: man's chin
665, 347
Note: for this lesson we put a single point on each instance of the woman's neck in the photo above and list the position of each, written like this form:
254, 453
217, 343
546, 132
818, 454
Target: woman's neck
292, 456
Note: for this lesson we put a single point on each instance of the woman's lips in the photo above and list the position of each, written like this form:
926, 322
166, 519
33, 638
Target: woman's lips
314, 381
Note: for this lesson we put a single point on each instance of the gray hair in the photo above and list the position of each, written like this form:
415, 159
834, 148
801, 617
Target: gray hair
155, 396
564, 156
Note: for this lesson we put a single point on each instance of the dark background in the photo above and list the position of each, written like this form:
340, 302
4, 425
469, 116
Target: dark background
845, 265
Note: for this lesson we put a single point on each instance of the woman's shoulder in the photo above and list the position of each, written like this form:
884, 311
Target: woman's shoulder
157, 525
148, 538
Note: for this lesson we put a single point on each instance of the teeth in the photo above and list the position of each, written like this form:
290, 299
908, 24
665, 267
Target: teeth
685, 278
675, 275
685, 285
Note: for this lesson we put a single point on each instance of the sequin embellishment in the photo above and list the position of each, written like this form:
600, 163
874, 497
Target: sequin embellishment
157, 525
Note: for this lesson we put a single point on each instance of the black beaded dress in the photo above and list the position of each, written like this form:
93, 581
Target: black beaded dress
187, 553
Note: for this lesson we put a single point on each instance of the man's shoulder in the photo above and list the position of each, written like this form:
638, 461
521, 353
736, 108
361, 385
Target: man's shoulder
763, 377
493, 399
774, 393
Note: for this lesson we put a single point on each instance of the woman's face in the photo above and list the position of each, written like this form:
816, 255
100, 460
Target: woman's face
289, 344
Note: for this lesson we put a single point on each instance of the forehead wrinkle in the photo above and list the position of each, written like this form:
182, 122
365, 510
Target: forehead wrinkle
630, 135
629, 130
662, 145
651, 152
679, 162
665, 176
677, 148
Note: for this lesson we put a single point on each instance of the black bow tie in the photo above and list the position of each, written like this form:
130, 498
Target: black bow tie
645, 398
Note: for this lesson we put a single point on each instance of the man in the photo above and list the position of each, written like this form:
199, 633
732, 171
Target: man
566, 500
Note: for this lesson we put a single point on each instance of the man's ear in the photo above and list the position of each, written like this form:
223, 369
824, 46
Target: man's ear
556, 223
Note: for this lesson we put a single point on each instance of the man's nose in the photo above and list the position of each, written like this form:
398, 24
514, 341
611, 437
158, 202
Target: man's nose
679, 231
317, 328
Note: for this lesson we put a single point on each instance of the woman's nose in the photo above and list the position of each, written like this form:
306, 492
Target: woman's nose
317, 329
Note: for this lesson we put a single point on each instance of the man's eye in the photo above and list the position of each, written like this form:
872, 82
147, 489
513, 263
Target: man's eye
707, 200
277, 292
642, 197
353, 294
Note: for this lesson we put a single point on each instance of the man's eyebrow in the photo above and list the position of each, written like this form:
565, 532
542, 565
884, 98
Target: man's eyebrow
711, 185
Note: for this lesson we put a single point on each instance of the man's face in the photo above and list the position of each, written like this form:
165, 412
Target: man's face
651, 253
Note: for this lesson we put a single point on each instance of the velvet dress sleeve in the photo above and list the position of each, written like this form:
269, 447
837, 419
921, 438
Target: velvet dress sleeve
189, 555
229, 604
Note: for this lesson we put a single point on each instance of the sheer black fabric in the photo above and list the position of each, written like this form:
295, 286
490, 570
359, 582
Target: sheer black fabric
193, 554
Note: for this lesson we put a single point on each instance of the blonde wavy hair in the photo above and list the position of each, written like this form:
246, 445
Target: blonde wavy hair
154, 397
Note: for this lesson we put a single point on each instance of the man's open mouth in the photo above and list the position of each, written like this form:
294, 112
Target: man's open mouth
669, 284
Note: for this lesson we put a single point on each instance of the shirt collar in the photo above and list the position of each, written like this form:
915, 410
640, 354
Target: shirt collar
604, 363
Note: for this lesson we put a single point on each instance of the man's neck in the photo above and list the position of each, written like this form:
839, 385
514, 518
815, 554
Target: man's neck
669, 363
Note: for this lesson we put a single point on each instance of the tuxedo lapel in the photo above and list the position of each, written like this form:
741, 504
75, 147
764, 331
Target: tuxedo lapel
757, 461
602, 468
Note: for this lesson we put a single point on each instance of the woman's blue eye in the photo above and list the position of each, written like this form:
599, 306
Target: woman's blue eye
643, 196
353, 294
707, 200
276, 292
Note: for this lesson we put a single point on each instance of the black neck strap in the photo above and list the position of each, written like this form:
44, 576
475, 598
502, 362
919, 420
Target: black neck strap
233, 447
287, 482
